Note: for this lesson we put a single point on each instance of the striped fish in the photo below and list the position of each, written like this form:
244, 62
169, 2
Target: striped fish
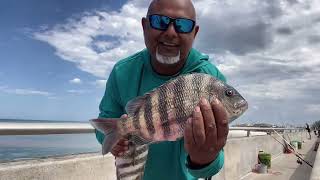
161, 114
131, 165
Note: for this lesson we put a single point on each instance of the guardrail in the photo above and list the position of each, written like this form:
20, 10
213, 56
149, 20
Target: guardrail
35, 128
266, 129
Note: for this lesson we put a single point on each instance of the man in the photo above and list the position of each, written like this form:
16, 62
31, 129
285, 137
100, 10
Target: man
308, 130
169, 31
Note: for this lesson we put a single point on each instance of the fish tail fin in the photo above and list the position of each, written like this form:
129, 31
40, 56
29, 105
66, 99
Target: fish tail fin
109, 141
109, 127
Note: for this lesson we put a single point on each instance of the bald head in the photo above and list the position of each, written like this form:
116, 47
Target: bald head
176, 5
169, 47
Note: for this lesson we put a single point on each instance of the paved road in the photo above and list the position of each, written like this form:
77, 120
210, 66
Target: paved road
285, 167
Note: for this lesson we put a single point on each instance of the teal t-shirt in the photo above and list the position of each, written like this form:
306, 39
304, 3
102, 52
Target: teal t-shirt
134, 76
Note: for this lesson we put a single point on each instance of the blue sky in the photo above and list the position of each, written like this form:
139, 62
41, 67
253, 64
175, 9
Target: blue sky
35, 82
55, 56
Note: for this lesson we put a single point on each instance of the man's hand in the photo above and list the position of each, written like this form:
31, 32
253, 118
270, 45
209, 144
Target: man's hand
206, 132
121, 146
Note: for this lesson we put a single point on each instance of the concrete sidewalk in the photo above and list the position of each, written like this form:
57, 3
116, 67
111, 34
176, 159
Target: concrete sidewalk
285, 166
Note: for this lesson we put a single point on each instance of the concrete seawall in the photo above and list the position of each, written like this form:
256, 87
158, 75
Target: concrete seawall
240, 158
75, 167
315, 175
241, 153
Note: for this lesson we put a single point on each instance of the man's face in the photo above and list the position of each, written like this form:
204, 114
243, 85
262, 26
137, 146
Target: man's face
168, 43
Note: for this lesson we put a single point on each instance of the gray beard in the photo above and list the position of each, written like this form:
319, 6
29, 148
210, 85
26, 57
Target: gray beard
167, 59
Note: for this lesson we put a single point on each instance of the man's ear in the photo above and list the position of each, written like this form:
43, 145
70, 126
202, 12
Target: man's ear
144, 23
196, 30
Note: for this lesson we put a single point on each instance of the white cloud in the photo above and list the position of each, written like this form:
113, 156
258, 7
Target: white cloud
3, 87
75, 81
53, 98
73, 91
26, 92
268, 49
101, 83
313, 108
79, 40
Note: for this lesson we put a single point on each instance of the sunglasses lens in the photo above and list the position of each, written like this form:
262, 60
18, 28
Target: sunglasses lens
181, 25
159, 22
184, 25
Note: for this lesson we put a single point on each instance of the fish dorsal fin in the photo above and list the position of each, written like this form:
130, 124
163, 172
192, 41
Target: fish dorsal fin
133, 105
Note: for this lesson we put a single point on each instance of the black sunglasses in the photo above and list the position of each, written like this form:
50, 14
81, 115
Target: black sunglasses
161, 22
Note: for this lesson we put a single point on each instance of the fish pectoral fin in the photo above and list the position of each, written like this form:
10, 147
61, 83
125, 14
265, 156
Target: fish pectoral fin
138, 140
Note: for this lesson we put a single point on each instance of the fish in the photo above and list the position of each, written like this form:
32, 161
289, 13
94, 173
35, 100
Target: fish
131, 165
161, 115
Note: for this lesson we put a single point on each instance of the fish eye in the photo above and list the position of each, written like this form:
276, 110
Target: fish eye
229, 92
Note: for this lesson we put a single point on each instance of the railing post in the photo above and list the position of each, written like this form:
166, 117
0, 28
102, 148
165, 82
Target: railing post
248, 133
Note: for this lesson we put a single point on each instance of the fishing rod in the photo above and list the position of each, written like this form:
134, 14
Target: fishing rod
287, 142
298, 155
295, 153
286, 147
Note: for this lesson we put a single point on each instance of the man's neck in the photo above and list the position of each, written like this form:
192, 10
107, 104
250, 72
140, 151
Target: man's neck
166, 69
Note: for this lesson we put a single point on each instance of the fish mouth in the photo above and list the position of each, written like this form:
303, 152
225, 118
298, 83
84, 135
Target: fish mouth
243, 105
240, 108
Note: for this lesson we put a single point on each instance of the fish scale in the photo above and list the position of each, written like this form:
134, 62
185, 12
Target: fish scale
162, 108
148, 116
161, 114
180, 99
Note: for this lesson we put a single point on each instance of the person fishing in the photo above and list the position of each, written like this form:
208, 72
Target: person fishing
169, 29
308, 130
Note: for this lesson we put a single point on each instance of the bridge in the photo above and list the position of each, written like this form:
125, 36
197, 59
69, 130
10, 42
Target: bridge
241, 152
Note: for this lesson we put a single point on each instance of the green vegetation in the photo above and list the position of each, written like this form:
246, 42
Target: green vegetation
265, 158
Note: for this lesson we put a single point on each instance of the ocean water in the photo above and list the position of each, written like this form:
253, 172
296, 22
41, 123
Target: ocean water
18, 147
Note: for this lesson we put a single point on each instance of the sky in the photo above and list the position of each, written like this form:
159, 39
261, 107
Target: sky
55, 56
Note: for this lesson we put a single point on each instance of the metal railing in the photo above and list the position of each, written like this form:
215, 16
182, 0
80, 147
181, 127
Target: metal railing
34, 128
266, 129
